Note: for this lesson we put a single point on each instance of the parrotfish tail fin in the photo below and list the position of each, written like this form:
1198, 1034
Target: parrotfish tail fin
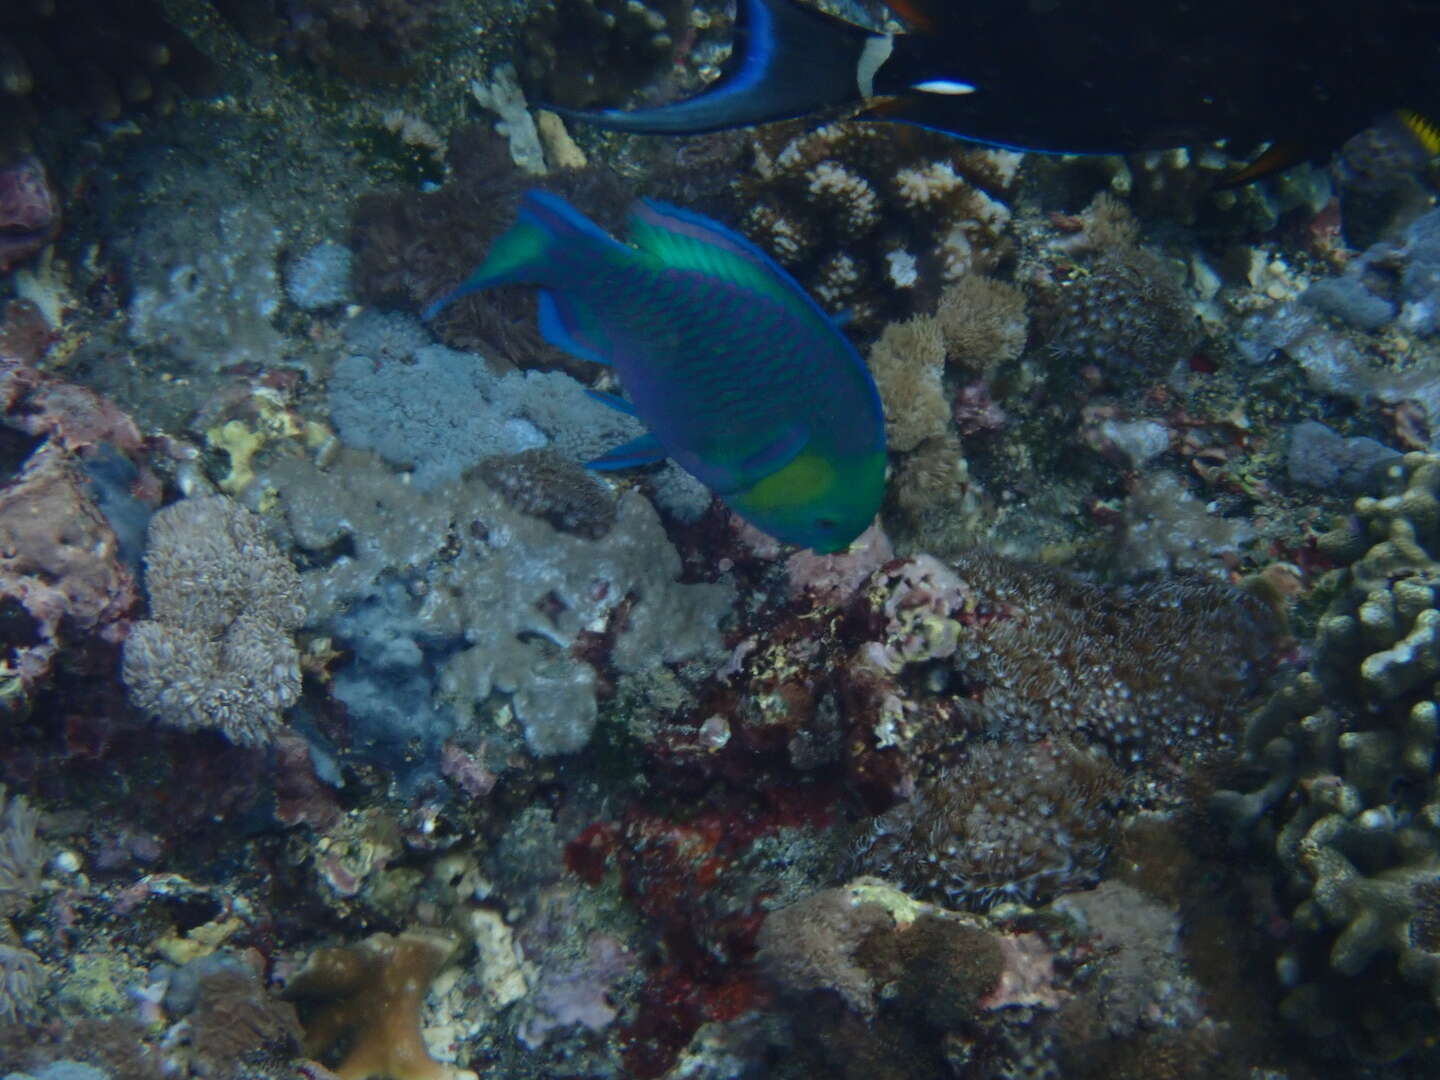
788, 60
549, 234
1422, 129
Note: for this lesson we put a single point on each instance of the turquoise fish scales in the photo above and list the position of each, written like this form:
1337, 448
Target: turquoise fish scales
737, 374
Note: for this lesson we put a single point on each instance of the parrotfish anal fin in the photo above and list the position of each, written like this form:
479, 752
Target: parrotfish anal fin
789, 59
561, 326
642, 451
687, 241
611, 401
548, 232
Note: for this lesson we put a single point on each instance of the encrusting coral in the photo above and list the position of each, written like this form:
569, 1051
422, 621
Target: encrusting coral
218, 650
364, 1001
1014, 821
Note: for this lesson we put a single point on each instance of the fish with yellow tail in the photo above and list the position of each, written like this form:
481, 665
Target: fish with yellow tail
736, 373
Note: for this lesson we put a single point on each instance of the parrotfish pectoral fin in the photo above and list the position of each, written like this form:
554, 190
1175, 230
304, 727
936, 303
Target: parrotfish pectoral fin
641, 451
788, 60
526, 254
561, 326
611, 401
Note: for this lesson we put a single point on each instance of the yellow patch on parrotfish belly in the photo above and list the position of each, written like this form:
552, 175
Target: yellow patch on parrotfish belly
808, 476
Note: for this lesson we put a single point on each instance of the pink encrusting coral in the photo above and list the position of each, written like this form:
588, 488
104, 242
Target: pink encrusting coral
29, 210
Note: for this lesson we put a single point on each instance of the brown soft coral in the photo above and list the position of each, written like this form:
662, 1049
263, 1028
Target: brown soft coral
907, 363
367, 998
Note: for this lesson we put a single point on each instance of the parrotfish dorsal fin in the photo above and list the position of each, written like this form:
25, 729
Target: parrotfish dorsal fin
684, 240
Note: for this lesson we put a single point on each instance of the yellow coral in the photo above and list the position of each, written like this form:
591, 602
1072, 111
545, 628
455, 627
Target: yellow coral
368, 997
907, 362
241, 444
983, 323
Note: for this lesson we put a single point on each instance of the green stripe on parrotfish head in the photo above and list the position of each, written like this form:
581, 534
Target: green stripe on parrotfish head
736, 372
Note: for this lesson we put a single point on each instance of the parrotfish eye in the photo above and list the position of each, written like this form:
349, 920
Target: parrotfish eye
826, 524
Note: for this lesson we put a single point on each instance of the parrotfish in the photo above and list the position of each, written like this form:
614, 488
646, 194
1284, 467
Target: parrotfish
736, 373
1085, 78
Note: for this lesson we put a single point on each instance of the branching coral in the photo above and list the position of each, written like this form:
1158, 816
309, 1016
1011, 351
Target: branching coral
364, 1001
217, 651
1342, 781
859, 212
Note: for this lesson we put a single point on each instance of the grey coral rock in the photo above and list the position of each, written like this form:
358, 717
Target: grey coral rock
218, 650
501, 596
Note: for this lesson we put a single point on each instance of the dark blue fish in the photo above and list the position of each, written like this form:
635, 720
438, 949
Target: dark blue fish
1080, 77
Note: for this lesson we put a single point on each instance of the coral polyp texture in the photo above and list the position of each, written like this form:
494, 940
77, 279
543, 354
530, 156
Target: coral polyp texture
1343, 780
218, 650
1013, 821
29, 210
857, 211
365, 40
1029, 652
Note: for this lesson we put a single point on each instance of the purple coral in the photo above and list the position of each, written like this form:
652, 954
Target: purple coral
29, 210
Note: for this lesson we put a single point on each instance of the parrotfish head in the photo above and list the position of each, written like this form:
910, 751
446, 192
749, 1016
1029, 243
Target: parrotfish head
816, 501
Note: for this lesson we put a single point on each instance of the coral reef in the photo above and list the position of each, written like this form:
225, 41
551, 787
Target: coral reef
1341, 782
29, 210
1012, 822
364, 1001
1125, 309
22, 857
319, 278
861, 216
218, 649
588, 53
494, 600
366, 40
93, 59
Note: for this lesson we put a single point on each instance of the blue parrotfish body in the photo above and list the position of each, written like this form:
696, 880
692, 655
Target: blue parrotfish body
736, 373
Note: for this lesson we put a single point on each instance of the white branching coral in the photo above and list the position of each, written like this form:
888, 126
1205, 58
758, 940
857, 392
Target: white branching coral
218, 651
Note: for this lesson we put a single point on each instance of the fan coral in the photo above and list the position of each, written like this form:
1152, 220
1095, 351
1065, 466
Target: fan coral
1143, 669
364, 1001
61, 576
217, 651
21, 855
96, 58
1013, 822
20, 978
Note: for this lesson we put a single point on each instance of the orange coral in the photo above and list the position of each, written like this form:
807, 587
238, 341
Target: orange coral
368, 997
